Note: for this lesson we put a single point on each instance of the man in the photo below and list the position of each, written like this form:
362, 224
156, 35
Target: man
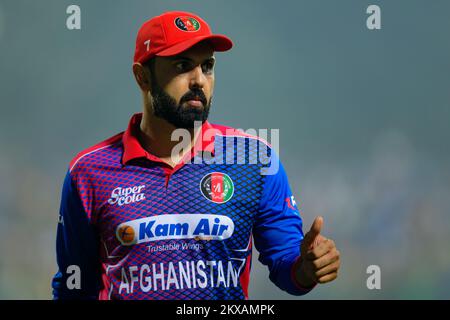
139, 220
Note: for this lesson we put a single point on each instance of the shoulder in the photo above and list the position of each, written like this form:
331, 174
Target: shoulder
96, 151
230, 132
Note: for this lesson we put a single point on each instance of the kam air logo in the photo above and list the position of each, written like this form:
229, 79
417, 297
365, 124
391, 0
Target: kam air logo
175, 226
187, 24
217, 187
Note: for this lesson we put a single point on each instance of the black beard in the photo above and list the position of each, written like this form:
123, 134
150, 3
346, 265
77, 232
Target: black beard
166, 107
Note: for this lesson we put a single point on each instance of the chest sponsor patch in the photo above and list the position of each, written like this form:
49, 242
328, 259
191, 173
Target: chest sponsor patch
175, 226
126, 195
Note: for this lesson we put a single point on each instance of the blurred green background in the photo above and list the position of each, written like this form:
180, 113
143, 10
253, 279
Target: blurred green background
363, 117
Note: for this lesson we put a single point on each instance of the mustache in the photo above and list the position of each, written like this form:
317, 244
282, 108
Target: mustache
196, 94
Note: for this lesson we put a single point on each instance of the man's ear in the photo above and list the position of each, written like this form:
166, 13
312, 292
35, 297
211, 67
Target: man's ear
142, 76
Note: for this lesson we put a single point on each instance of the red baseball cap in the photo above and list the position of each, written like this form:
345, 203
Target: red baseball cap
174, 32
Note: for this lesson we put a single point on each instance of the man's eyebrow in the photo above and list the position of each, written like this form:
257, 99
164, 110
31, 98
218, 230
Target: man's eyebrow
175, 58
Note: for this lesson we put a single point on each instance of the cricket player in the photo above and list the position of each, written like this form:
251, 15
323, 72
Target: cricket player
143, 218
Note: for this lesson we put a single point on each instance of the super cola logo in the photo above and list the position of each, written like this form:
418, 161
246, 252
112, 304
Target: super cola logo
121, 196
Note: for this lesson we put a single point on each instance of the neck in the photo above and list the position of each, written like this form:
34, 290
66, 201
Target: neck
155, 137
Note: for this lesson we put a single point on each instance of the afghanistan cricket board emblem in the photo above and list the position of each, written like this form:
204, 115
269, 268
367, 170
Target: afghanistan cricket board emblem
217, 187
187, 24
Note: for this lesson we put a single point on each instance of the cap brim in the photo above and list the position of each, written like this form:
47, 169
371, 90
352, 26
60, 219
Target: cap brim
219, 43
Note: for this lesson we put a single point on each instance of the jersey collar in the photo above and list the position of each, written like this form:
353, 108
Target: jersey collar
133, 148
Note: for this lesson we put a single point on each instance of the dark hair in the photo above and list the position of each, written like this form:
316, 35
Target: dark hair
150, 65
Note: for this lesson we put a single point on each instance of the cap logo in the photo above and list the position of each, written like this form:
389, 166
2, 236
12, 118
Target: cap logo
187, 24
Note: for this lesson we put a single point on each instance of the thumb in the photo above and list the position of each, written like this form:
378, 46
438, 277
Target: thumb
313, 233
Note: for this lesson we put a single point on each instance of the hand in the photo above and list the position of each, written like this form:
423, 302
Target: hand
319, 258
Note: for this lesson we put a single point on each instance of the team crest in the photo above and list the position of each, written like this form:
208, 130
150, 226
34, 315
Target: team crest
187, 24
217, 187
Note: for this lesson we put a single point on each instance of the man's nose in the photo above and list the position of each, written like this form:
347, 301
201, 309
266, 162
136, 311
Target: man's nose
198, 78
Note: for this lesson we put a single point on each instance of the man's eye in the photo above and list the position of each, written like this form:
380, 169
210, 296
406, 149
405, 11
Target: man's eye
182, 66
208, 67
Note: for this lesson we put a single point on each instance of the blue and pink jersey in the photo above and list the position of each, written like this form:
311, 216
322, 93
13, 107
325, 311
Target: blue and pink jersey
139, 229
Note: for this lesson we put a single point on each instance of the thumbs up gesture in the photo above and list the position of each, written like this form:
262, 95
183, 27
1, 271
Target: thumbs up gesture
319, 258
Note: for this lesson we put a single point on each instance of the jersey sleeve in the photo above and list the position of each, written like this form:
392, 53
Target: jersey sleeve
76, 245
278, 230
